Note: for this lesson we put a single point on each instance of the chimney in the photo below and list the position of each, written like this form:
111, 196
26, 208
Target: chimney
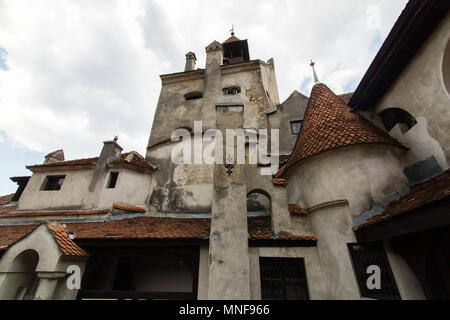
54, 156
190, 61
111, 149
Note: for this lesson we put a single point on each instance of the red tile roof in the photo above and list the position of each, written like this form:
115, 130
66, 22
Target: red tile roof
17, 214
144, 227
279, 182
136, 160
5, 209
232, 39
431, 190
127, 207
77, 162
67, 246
297, 210
6, 198
11, 234
329, 124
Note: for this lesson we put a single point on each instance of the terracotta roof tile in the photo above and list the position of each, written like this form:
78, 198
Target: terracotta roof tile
67, 246
329, 124
231, 39
127, 207
5, 209
431, 190
17, 214
297, 210
6, 199
144, 227
77, 162
11, 234
279, 182
135, 160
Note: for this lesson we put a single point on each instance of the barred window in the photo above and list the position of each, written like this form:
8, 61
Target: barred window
283, 279
369, 254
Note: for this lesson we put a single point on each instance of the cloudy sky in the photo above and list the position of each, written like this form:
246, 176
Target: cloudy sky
75, 73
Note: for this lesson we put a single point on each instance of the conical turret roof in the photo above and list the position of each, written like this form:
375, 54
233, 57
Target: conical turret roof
329, 124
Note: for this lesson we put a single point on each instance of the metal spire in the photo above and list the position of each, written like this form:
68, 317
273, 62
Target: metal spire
316, 79
232, 30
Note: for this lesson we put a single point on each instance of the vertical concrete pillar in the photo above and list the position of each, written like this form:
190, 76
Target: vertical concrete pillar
228, 245
212, 84
333, 227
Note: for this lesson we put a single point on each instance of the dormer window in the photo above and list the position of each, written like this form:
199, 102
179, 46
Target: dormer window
193, 95
53, 183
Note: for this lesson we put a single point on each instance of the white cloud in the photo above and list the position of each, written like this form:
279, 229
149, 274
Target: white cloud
83, 71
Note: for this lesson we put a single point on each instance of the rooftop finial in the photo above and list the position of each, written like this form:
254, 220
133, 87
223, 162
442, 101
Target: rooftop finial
232, 30
316, 79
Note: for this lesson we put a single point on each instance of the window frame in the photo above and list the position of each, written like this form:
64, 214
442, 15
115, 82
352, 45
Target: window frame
108, 184
46, 185
284, 281
295, 122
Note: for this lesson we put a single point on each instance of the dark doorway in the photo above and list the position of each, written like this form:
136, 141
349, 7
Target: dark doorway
142, 273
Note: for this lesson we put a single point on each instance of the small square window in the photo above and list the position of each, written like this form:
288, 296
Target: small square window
295, 126
112, 180
53, 183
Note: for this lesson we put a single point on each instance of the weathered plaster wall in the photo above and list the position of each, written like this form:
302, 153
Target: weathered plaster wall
361, 174
420, 90
51, 267
173, 111
314, 275
333, 227
229, 274
293, 108
131, 187
179, 188
203, 273
74, 192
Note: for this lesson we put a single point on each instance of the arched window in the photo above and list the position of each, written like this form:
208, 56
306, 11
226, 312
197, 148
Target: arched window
446, 68
394, 116
258, 201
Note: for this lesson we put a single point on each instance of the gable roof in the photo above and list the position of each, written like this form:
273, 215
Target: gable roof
232, 39
329, 124
67, 245
131, 159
